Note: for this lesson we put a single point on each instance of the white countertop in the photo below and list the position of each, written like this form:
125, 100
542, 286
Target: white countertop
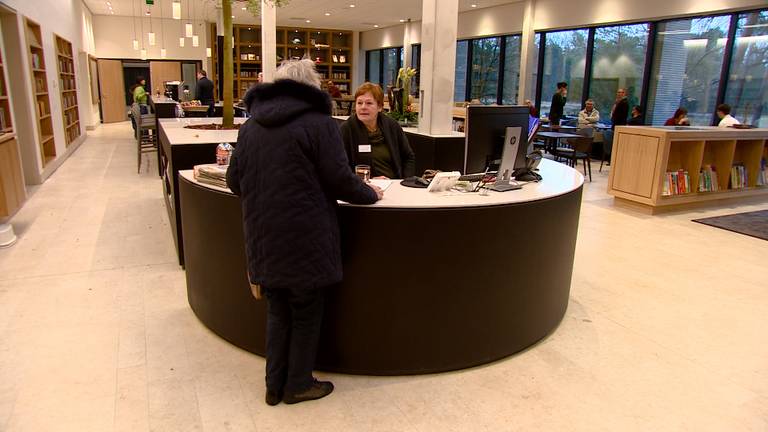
415, 131
162, 99
559, 179
178, 134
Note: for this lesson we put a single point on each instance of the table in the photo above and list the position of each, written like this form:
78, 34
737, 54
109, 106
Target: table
555, 137
453, 281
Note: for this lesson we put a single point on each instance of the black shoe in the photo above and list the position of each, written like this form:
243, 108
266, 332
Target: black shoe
318, 390
273, 398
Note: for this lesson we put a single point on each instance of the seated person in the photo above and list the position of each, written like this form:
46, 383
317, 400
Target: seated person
374, 139
333, 90
724, 114
636, 118
589, 115
680, 118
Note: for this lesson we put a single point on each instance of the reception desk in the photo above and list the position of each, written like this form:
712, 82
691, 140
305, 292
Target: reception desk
432, 282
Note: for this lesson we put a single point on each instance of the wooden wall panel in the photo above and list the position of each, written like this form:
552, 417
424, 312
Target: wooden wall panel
112, 88
161, 71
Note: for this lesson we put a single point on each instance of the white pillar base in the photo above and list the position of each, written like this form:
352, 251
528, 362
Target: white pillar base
7, 237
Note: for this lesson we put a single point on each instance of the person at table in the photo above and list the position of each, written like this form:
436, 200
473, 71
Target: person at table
589, 116
679, 118
289, 169
531, 108
636, 116
204, 91
558, 104
724, 114
333, 90
620, 110
374, 139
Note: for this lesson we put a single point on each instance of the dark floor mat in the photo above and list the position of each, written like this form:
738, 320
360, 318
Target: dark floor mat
753, 224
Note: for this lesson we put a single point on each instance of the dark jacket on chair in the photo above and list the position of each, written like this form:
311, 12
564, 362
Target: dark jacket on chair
355, 134
289, 168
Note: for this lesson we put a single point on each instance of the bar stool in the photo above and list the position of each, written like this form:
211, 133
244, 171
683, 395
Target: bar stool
146, 132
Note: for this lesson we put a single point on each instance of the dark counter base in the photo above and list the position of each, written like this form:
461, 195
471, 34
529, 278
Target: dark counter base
442, 289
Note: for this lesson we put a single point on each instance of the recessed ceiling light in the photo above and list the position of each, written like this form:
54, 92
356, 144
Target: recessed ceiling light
474, 5
351, 5
402, 20
376, 25
109, 4
327, 14
112, 12
308, 21
233, 16
242, 8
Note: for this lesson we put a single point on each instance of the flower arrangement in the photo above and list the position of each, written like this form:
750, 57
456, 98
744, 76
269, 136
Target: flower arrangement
399, 97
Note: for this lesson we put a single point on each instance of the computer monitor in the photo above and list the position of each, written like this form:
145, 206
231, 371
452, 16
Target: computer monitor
485, 130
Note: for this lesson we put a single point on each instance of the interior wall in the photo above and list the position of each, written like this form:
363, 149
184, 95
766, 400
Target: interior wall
65, 19
114, 36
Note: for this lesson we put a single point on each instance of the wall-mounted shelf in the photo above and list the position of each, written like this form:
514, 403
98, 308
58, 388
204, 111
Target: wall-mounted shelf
68, 85
42, 102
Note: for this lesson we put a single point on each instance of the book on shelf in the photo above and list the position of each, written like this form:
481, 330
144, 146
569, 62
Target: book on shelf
762, 176
708, 179
676, 183
36, 60
738, 176
2, 119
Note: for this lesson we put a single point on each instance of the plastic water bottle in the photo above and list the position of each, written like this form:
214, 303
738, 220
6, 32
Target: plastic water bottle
223, 153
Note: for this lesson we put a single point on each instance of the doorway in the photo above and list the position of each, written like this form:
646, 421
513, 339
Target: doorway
132, 71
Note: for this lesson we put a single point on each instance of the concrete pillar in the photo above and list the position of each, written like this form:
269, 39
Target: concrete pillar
268, 40
439, 28
528, 65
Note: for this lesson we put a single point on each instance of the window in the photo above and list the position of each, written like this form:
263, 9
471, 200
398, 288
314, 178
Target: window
564, 60
485, 70
687, 63
618, 61
747, 90
373, 67
391, 65
511, 70
460, 82
416, 64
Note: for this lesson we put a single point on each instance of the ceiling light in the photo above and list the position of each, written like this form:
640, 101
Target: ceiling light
242, 8
327, 14
135, 44
308, 21
151, 36
376, 25
162, 53
181, 42
351, 5
233, 17
402, 20
195, 41
474, 5
208, 52
176, 5
188, 30
112, 12
109, 4
143, 54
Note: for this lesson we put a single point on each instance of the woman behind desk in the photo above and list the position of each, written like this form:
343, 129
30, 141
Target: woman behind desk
374, 139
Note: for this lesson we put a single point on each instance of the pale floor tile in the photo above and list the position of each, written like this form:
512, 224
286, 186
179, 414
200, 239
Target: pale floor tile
663, 331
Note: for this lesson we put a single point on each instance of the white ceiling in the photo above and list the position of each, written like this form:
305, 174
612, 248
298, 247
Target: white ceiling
363, 16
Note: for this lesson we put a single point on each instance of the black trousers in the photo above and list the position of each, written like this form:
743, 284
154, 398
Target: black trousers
294, 316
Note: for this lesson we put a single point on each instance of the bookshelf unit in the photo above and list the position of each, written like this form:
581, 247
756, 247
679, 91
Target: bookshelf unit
42, 101
12, 191
330, 49
643, 157
68, 86
6, 125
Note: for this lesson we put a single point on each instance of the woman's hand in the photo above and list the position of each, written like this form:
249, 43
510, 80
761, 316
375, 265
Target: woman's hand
378, 190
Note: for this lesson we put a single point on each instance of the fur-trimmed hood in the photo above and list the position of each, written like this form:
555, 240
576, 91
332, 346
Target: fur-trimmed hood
274, 104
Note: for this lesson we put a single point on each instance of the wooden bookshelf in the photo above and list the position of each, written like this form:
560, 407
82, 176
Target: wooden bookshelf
68, 86
642, 157
42, 101
331, 50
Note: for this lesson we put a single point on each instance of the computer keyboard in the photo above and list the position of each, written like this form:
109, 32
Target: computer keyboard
472, 177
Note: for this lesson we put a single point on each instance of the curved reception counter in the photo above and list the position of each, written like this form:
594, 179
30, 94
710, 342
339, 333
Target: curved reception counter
432, 282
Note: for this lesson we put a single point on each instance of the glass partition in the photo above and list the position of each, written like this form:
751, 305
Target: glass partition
511, 70
747, 91
564, 60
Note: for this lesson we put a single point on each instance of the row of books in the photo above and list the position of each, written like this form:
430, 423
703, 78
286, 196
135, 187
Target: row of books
37, 61
66, 66
762, 176
339, 75
738, 176
72, 133
42, 108
67, 83
708, 179
249, 74
68, 100
676, 183
70, 117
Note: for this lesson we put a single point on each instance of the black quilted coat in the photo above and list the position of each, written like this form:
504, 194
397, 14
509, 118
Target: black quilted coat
289, 168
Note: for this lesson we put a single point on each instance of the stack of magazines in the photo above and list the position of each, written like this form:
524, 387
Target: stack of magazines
212, 174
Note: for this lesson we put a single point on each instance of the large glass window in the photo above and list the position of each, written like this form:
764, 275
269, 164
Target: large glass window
511, 70
485, 70
416, 64
618, 61
373, 68
564, 60
391, 60
460, 82
747, 90
688, 59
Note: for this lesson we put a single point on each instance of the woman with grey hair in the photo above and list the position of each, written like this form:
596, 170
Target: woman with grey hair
289, 169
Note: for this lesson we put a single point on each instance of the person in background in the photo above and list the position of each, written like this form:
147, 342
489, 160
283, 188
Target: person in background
679, 118
260, 77
531, 108
289, 169
333, 90
724, 114
589, 115
375, 139
558, 104
636, 116
138, 91
204, 91
620, 110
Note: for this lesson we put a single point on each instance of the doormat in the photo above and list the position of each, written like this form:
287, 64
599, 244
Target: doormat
753, 224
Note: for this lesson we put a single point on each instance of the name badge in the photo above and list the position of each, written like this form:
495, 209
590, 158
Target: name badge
364, 148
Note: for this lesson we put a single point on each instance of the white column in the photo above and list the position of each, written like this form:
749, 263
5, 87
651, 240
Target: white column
407, 44
268, 40
527, 89
439, 28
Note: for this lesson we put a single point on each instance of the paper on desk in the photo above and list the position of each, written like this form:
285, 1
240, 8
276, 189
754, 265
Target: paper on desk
381, 183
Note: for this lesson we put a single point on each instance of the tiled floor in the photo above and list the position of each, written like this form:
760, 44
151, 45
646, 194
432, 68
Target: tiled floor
665, 330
